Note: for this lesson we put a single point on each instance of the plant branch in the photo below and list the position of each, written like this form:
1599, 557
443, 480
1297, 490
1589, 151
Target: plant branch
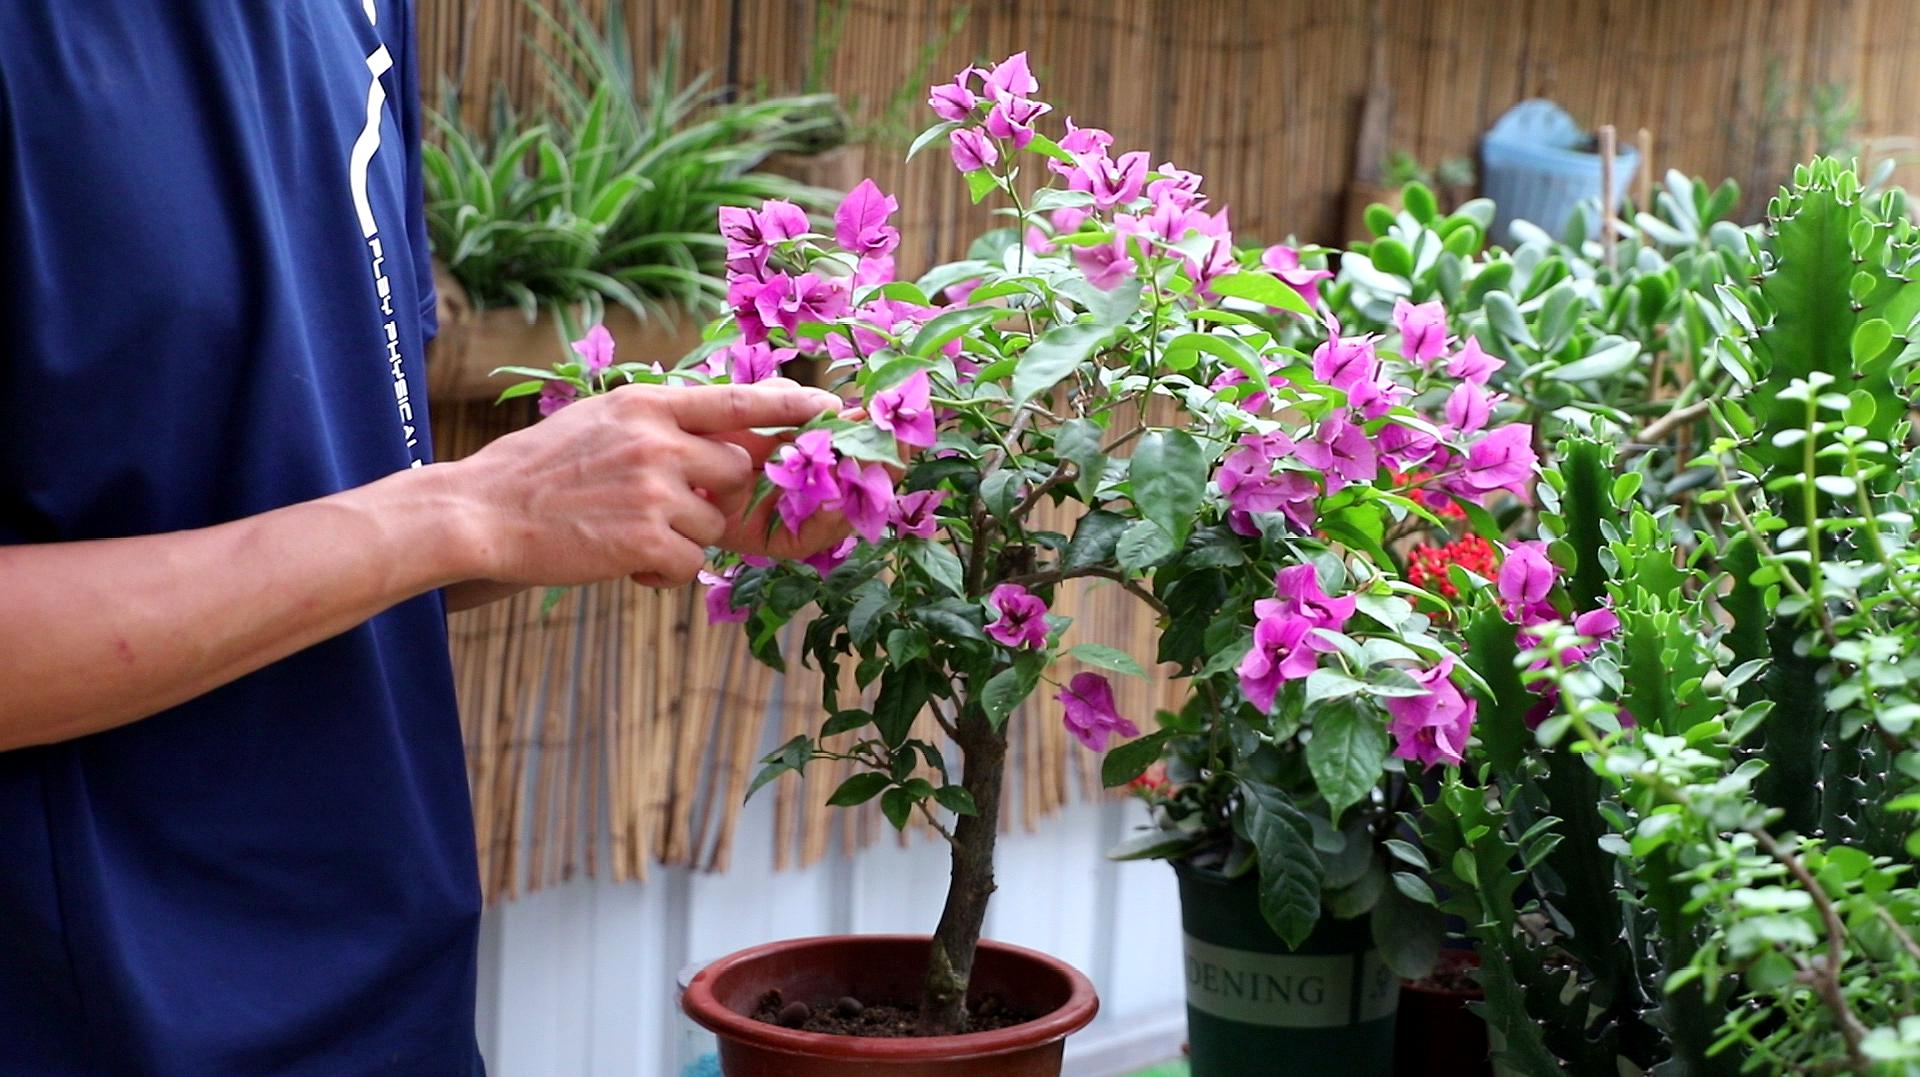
1826, 979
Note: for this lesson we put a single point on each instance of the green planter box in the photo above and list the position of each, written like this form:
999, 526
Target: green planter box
1324, 1009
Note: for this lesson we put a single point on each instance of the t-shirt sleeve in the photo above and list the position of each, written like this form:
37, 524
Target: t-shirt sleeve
410, 130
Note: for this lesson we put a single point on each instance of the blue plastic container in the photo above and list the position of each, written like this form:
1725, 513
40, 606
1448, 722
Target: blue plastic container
1536, 168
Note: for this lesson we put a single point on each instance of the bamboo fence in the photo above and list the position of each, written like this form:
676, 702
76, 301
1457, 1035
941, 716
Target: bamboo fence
619, 730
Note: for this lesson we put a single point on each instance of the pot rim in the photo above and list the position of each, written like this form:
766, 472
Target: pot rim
1071, 1016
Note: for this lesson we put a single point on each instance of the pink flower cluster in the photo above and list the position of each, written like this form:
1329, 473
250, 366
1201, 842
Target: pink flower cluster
1273, 472
1526, 583
1150, 210
1288, 641
1286, 646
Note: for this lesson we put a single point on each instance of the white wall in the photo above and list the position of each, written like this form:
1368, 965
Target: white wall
579, 980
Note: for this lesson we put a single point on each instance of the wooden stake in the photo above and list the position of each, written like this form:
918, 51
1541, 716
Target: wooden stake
1607, 237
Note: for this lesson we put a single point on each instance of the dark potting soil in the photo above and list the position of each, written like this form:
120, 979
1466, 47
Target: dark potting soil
851, 1017
1452, 979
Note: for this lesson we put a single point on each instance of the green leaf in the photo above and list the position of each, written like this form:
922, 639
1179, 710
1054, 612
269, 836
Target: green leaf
859, 789
937, 131
950, 325
1001, 491
1169, 476
1007, 690
1098, 654
981, 183
1346, 754
1420, 204
1153, 844
1504, 315
1290, 870
1604, 363
1871, 338
941, 565
1144, 544
1125, 762
903, 694
897, 805
1408, 932
1390, 256
845, 722
1052, 357
956, 799
1261, 288
1095, 538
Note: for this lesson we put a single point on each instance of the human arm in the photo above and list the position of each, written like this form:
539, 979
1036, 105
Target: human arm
96, 634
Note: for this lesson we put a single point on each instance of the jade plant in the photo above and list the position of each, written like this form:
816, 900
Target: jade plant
1685, 836
1109, 393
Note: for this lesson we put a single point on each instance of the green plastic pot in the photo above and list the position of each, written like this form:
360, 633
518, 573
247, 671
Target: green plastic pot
1257, 1006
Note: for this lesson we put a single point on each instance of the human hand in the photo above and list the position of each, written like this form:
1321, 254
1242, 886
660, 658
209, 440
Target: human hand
637, 481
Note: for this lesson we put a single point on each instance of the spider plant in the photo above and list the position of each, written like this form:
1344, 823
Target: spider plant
609, 191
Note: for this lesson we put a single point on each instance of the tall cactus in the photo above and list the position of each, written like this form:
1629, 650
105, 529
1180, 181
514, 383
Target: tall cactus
1829, 313
1828, 309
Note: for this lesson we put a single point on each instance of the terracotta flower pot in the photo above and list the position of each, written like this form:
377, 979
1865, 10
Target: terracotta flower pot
878, 968
1437, 1033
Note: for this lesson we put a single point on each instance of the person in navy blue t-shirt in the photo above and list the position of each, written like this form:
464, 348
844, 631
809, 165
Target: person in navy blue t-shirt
234, 828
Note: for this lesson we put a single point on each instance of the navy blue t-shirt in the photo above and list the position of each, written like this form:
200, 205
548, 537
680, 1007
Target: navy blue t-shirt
214, 297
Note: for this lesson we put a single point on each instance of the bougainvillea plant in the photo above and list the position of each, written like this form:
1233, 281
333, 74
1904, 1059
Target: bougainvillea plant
1107, 391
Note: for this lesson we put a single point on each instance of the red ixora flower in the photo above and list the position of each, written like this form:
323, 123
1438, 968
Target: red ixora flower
1428, 564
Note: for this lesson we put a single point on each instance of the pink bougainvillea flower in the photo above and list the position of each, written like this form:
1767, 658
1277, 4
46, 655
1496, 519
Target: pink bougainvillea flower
826, 561
1011, 77
1344, 362
1254, 401
972, 150
1376, 396
1215, 259
1468, 407
1282, 651
1105, 265
877, 269
1284, 262
1091, 714
860, 223
1248, 483
1297, 593
1012, 118
1176, 186
915, 514
1502, 460
1342, 452
1111, 182
752, 232
720, 597
1423, 330
1038, 241
1601, 624
1079, 141
953, 100
803, 470
1022, 620
866, 497
1404, 448
1526, 579
787, 301
906, 411
555, 395
749, 363
595, 349
1472, 364
959, 293
1432, 728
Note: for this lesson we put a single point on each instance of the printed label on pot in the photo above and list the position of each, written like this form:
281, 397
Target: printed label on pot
1288, 990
